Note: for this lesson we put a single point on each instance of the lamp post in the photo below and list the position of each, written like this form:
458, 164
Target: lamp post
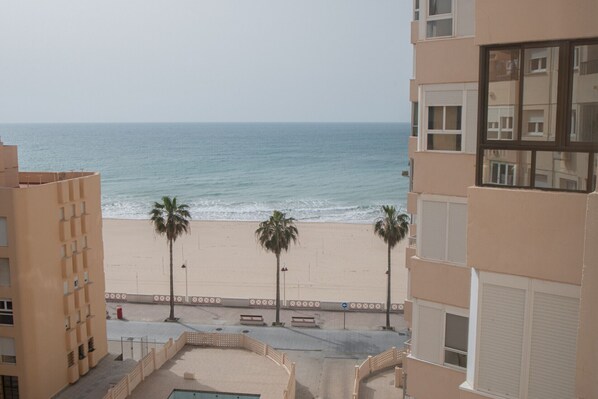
184, 266
284, 271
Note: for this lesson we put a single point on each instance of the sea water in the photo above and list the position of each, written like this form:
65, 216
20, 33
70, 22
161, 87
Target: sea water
327, 172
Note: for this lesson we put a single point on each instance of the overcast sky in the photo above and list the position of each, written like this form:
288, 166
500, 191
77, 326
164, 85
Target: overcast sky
204, 60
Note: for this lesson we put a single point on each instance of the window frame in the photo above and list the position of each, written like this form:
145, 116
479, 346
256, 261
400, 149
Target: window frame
6, 310
562, 142
440, 17
444, 130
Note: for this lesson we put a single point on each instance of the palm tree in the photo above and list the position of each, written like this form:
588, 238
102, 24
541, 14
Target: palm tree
275, 235
392, 227
172, 220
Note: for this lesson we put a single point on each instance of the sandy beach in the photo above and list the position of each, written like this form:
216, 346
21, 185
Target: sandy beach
331, 262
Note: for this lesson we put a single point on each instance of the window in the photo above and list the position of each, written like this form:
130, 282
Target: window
500, 123
67, 323
65, 287
10, 387
518, 316
444, 128
502, 173
76, 282
440, 18
536, 60
86, 277
6, 315
455, 340
70, 359
443, 231
414, 118
7, 350
3, 233
81, 352
4, 273
90, 345
537, 102
440, 334
416, 10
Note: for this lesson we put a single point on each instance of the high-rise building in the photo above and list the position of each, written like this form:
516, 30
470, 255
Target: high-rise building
503, 255
52, 308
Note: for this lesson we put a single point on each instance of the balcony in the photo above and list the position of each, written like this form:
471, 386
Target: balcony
71, 339
65, 230
69, 303
76, 226
530, 233
67, 267
443, 173
73, 373
412, 203
414, 31
440, 282
83, 366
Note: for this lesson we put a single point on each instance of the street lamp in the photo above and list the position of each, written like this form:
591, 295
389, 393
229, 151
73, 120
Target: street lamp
284, 271
184, 266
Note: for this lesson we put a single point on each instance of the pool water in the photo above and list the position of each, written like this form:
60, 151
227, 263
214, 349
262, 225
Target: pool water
182, 394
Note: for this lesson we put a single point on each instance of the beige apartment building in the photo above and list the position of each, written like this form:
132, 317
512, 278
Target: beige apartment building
52, 309
503, 254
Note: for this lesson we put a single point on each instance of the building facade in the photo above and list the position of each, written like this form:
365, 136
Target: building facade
502, 260
52, 308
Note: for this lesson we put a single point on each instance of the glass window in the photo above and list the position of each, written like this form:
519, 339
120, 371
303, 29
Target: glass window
6, 316
414, 118
81, 352
440, 18
562, 170
507, 167
3, 233
503, 94
455, 340
70, 359
444, 125
10, 387
437, 7
540, 93
416, 10
4, 273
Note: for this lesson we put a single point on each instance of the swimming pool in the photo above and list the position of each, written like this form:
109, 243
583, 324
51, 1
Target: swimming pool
182, 394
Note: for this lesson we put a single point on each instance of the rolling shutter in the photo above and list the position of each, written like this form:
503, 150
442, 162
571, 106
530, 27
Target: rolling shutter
553, 347
429, 330
502, 317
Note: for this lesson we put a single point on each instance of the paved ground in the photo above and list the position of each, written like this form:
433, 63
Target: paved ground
325, 356
381, 385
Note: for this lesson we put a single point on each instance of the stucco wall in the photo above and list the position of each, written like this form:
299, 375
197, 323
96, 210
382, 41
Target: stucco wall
529, 233
443, 173
440, 283
534, 20
426, 380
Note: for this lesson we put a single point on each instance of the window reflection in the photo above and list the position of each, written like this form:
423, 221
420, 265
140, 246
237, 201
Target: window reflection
507, 167
503, 94
584, 112
562, 170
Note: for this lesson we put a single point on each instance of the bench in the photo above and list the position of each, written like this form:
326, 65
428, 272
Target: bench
252, 320
303, 321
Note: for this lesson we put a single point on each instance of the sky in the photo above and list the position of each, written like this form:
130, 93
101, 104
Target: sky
205, 61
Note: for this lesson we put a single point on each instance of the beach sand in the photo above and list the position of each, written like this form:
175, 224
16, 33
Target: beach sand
331, 262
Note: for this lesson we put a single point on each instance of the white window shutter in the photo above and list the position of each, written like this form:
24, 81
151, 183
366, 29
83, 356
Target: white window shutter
7, 346
433, 230
457, 233
429, 331
553, 347
502, 319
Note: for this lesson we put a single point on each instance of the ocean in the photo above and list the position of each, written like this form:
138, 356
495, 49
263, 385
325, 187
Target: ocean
322, 172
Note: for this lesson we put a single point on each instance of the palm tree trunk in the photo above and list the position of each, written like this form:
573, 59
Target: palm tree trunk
277, 288
388, 293
171, 317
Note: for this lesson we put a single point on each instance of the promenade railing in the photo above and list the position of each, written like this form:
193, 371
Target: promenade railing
373, 364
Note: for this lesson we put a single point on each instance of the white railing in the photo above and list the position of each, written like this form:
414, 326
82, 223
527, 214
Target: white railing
374, 364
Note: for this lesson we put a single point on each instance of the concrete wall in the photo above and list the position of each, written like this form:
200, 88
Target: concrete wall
446, 61
427, 381
443, 173
587, 344
440, 283
534, 20
528, 233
